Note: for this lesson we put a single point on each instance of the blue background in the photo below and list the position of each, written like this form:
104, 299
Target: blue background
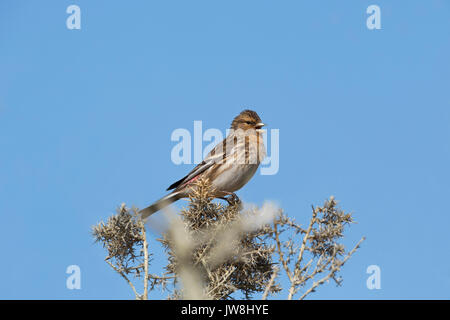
86, 117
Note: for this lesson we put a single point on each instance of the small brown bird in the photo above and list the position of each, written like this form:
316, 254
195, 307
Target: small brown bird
228, 167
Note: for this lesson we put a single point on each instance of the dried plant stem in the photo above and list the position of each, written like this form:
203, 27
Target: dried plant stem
305, 239
145, 245
151, 276
269, 285
138, 297
333, 270
297, 273
222, 282
280, 253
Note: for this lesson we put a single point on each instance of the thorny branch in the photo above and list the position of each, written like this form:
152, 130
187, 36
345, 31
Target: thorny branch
221, 252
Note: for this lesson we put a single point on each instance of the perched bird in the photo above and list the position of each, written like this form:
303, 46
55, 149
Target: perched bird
228, 167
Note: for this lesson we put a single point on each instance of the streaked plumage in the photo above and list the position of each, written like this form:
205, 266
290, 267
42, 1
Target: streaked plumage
228, 167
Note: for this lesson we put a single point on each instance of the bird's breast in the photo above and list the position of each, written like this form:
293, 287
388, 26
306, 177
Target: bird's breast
232, 177
243, 154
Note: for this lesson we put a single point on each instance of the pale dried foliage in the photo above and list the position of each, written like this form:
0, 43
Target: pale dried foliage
220, 247
312, 256
226, 252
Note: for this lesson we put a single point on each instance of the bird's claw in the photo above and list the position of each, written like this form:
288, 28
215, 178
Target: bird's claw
233, 199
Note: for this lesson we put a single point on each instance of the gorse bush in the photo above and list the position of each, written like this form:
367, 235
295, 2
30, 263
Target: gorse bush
217, 251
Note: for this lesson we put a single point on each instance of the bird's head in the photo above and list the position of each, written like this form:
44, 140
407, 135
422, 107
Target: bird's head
246, 120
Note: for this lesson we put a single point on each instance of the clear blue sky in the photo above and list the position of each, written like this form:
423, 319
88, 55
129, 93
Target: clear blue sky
86, 117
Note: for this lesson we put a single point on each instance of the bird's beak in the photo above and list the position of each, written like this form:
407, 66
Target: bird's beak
259, 126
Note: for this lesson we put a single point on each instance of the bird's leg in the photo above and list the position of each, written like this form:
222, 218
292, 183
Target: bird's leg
232, 199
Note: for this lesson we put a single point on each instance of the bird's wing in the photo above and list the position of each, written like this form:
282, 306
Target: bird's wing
216, 155
201, 167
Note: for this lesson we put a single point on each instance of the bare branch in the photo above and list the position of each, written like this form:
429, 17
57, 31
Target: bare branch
333, 270
218, 252
269, 285
138, 297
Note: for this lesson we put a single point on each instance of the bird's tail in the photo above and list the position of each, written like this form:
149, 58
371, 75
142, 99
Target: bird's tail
161, 203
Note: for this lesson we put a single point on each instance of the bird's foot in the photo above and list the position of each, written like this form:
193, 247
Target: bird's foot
233, 200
